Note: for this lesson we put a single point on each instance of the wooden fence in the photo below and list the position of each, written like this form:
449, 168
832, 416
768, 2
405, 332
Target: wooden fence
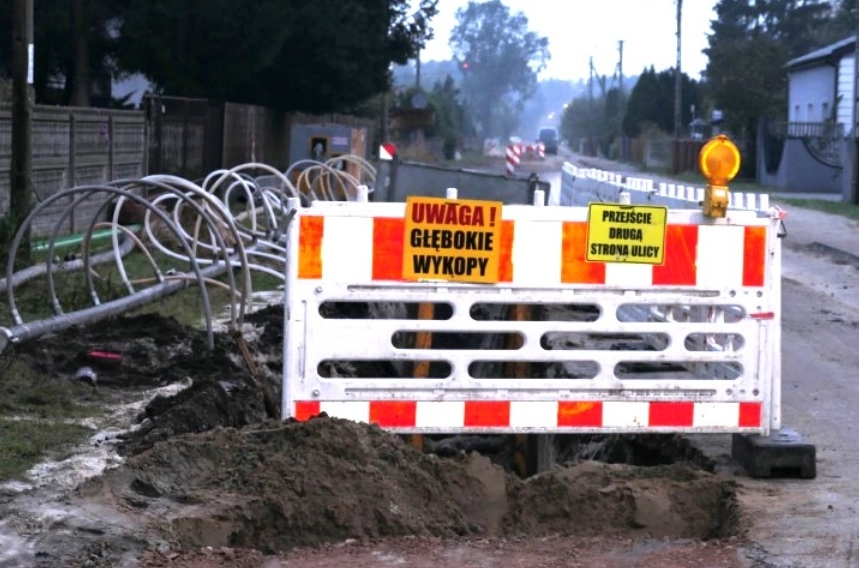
74, 146
192, 137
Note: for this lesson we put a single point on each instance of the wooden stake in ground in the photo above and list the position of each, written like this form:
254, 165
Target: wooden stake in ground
271, 408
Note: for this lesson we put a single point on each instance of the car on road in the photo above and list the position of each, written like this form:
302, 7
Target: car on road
549, 138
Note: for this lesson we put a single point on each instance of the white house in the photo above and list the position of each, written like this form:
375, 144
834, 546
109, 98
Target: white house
806, 152
820, 85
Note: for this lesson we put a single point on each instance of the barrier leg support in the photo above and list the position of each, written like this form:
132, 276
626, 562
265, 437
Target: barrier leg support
535, 453
784, 453
421, 370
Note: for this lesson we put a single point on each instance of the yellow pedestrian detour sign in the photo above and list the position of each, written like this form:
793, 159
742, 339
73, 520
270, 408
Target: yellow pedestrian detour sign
632, 234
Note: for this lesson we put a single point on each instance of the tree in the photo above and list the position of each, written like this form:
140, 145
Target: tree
651, 102
449, 113
752, 40
286, 54
73, 46
842, 23
500, 59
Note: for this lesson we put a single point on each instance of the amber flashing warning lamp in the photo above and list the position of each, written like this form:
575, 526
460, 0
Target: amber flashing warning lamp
719, 162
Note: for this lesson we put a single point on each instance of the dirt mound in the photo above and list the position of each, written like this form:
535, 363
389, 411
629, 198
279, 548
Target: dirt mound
223, 394
231, 401
153, 350
274, 487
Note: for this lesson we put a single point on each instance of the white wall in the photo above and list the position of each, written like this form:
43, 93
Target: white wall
845, 89
808, 91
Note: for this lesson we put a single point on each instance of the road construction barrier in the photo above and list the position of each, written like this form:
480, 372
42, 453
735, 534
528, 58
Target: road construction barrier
580, 186
645, 319
514, 155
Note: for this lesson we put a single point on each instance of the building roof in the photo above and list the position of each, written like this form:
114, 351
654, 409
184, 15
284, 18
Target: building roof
828, 55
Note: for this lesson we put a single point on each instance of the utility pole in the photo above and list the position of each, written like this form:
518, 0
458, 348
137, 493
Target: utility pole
853, 196
620, 67
418, 72
678, 77
20, 198
591, 80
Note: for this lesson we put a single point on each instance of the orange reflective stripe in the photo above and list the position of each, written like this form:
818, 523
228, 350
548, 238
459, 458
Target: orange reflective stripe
681, 246
482, 413
671, 414
750, 414
583, 414
754, 256
394, 413
305, 410
388, 234
574, 268
310, 233
505, 265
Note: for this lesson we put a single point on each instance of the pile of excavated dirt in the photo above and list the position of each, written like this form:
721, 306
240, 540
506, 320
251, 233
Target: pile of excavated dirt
205, 468
224, 393
276, 486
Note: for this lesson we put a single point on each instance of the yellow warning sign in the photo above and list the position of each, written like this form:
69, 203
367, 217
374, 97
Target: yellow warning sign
457, 240
626, 233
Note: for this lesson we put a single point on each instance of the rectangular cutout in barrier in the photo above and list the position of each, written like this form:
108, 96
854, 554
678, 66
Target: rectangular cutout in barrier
536, 312
383, 310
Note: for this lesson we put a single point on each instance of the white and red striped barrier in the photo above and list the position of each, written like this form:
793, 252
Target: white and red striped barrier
514, 154
703, 320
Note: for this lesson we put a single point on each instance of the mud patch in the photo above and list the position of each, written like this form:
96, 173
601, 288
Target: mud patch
836, 255
149, 350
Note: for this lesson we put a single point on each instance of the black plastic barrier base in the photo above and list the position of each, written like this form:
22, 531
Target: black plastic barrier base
784, 453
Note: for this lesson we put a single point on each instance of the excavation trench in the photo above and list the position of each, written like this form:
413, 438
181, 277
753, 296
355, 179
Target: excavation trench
205, 468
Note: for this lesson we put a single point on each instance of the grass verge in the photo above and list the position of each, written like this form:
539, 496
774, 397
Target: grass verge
24, 443
39, 417
32, 298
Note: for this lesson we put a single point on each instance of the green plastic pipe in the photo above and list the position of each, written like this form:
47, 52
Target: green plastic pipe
76, 239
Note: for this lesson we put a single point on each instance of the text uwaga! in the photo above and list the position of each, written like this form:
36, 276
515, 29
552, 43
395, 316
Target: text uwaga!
468, 239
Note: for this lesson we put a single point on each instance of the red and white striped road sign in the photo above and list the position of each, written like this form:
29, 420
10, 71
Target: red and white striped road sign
387, 151
514, 151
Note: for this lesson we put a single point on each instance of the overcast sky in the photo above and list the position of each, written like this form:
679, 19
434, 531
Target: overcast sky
579, 29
